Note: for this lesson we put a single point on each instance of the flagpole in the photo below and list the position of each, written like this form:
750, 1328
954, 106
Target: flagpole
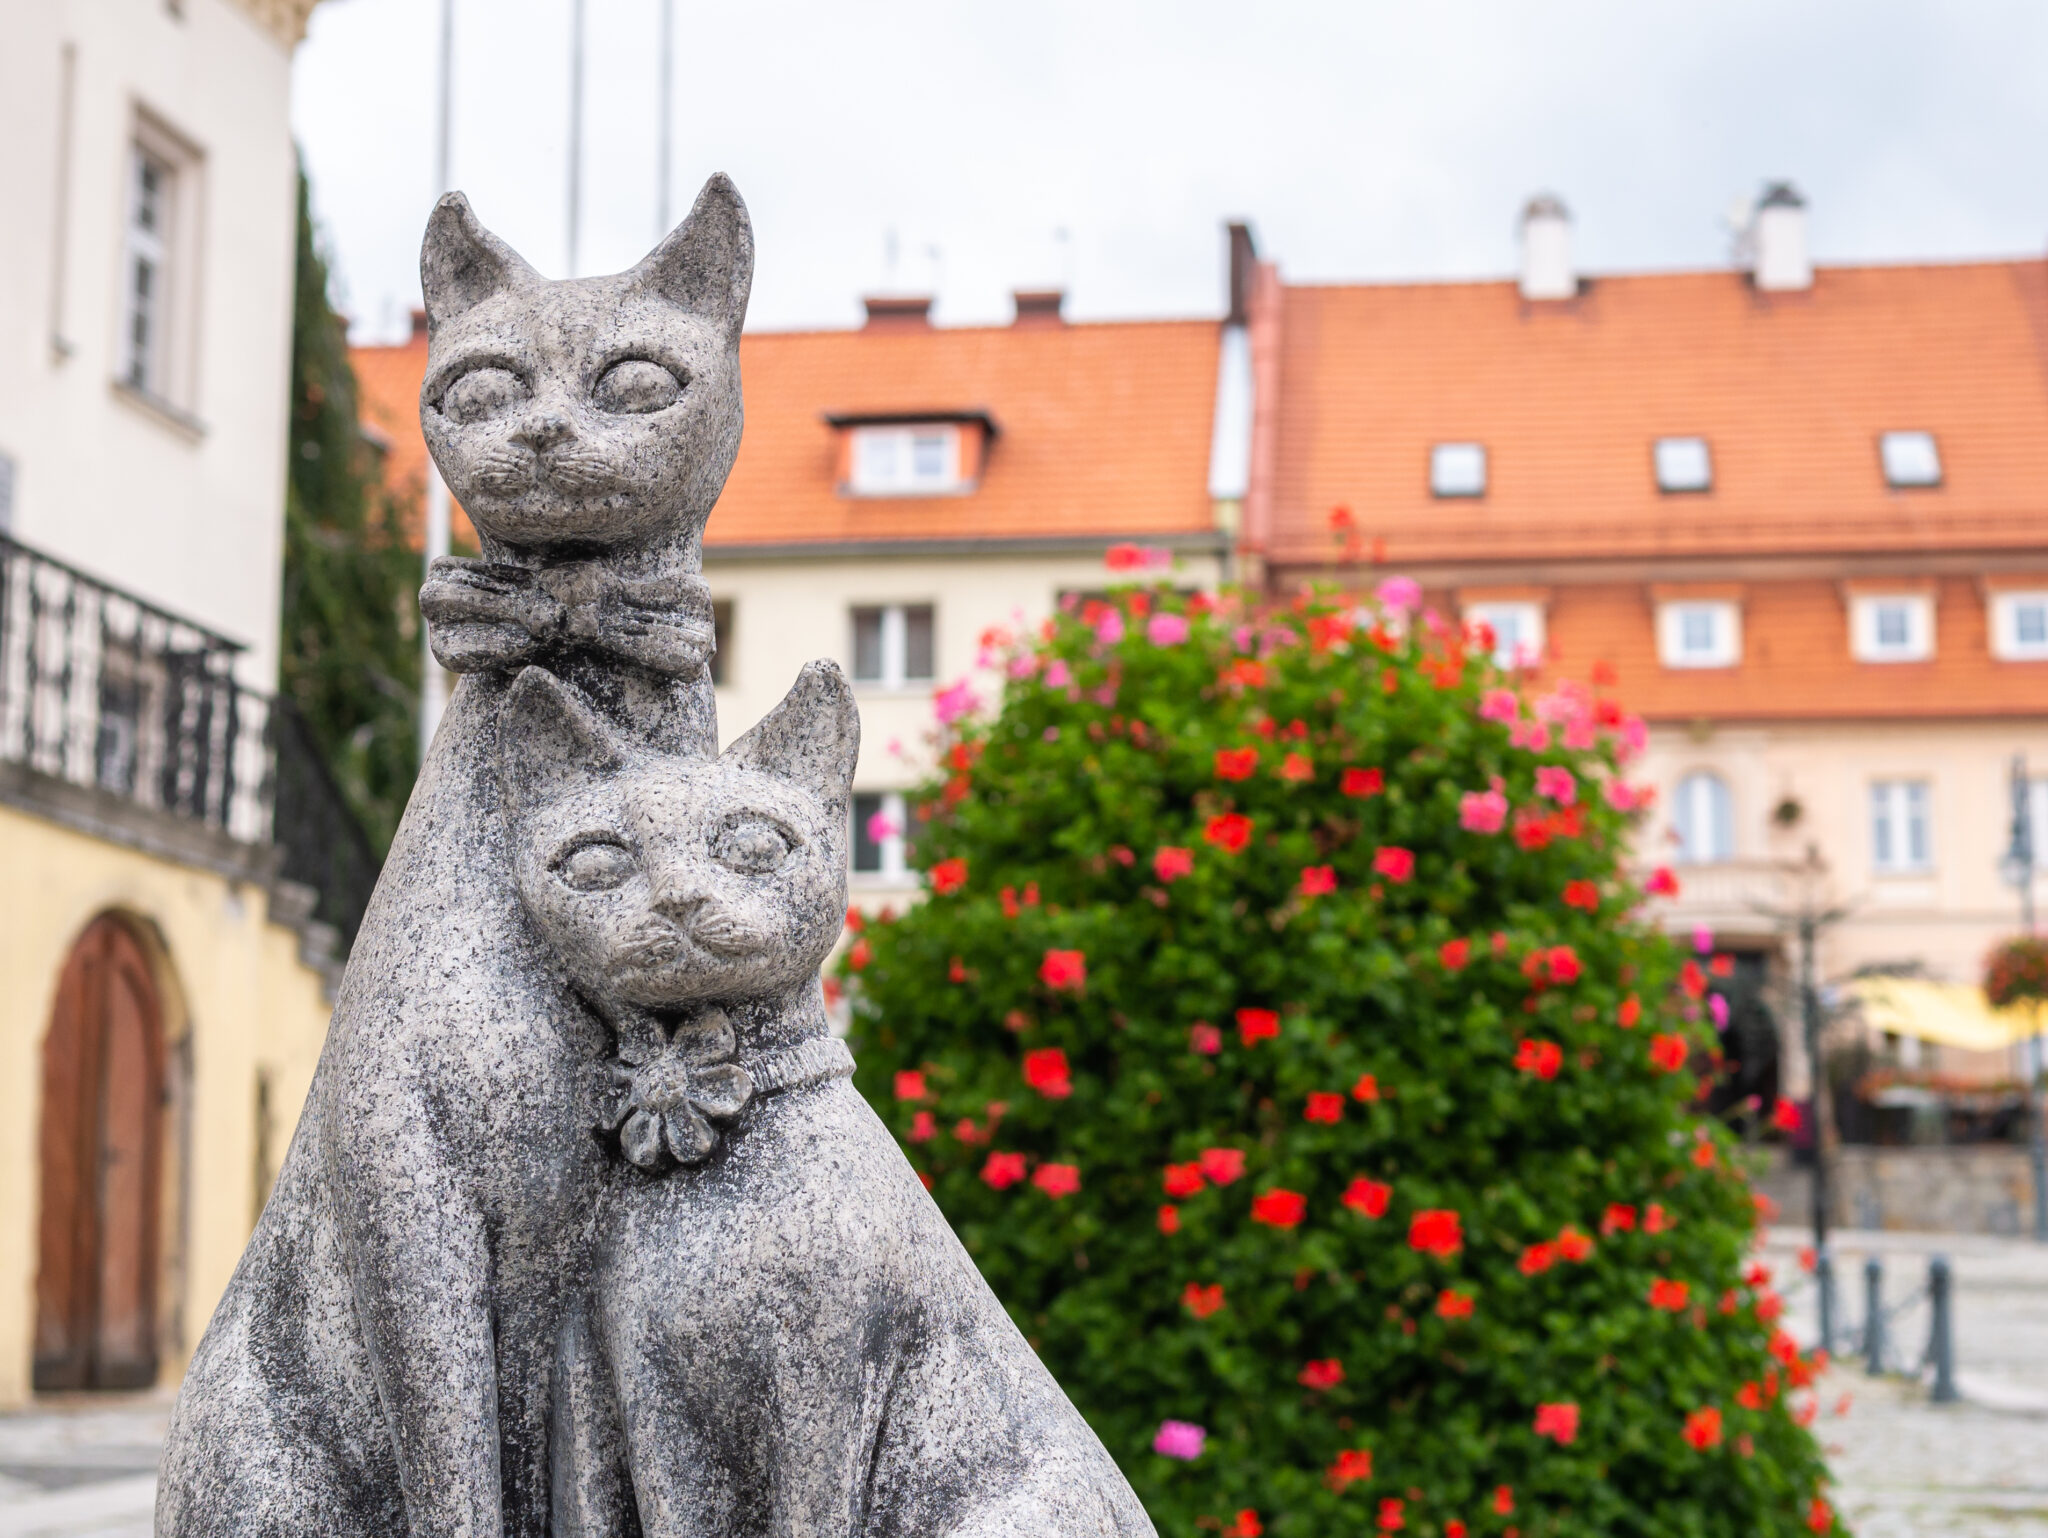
433, 678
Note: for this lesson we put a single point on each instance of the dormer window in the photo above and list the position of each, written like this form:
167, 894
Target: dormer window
1457, 470
1683, 464
906, 456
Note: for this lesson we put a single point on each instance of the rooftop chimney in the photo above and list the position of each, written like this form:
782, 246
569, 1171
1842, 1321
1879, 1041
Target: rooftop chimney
1039, 306
1244, 262
1778, 237
891, 312
1547, 249
419, 323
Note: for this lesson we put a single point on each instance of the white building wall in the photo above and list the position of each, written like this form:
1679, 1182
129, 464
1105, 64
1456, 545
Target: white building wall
184, 507
790, 610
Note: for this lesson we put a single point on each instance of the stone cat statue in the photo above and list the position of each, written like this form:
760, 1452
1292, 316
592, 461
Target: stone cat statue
383, 1361
783, 1334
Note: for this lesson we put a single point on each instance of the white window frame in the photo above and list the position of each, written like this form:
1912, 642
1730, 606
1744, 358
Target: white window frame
883, 460
1675, 618
1518, 633
1673, 459
2006, 643
1910, 458
1452, 467
1703, 819
163, 371
1867, 613
148, 248
893, 867
1901, 817
895, 637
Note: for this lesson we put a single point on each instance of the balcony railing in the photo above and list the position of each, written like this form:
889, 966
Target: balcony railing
103, 689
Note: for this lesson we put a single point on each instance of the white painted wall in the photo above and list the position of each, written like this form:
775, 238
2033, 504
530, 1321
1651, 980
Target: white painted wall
787, 611
187, 514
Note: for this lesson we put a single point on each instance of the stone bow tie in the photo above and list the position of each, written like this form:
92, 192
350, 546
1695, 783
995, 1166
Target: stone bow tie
492, 614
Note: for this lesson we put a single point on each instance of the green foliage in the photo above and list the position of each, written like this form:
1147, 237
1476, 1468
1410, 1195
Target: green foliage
1530, 1078
350, 623
2016, 972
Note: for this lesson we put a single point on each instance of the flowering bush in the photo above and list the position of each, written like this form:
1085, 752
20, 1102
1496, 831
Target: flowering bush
1281, 1038
2017, 972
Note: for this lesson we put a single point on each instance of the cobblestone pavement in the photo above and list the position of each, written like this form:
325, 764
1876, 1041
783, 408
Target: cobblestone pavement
1904, 1467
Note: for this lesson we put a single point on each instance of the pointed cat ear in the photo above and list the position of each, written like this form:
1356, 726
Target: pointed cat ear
462, 263
549, 740
812, 739
706, 264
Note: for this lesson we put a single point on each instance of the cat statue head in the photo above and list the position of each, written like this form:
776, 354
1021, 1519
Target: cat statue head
592, 412
664, 882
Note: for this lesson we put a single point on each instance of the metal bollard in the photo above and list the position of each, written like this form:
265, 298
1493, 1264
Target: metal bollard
1873, 1316
1824, 1292
1941, 1340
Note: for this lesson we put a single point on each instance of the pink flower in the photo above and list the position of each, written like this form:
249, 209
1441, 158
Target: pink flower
1056, 674
1023, 665
1204, 1038
1622, 796
1393, 862
1166, 630
1179, 1439
1533, 735
1318, 880
1556, 783
1399, 594
1127, 557
881, 827
1580, 734
1003, 1170
1634, 737
949, 705
1110, 628
1662, 883
1172, 862
1482, 811
1500, 705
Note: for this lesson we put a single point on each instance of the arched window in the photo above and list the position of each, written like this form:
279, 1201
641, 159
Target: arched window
1703, 813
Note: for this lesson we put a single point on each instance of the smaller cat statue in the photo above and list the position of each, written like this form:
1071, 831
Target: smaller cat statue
783, 1336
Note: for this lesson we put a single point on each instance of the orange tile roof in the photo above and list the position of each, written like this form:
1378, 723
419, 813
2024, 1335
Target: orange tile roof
1104, 429
1791, 390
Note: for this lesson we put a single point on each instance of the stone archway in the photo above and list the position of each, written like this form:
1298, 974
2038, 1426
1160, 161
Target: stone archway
102, 1151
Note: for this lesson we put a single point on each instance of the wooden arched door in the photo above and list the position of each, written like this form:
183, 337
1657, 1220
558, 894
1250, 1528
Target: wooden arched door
102, 1162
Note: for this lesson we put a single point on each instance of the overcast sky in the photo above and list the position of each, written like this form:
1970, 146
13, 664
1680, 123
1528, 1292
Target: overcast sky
1364, 140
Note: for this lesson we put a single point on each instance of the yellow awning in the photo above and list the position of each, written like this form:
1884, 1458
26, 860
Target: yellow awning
1953, 1014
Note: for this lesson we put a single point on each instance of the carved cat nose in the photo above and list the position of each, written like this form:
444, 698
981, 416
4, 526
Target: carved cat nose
544, 429
678, 900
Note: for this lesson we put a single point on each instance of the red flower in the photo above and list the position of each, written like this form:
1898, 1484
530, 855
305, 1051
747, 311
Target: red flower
1703, 1155
1630, 1012
1003, 1170
1246, 1526
1366, 1090
922, 1128
1564, 964
1703, 1428
1436, 1231
1390, 1514
859, 954
1057, 1180
1560, 1421
1362, 782
1750, 1396
1785, 1115
1692, 980
1318, 880
1454, 1528
1326, 1373
1045, 1070
909, 1084
1202, 1301
1223, 1165
1452, 1304
1352, 1463
1064, 969
949, 876
1236, 763
1393, 862
1667, 1294
1183, 1179
1619, 1219
1324, 1107
1169, 1219
1246, 673
1297, 769
1667, 1052
1656, 1220
1204, 1038
1661, 883
1542, 1058
1820, 1516
1172, 862
1279, 1208
1504, 1500
956, 971
1229, 832
1574, 1246
1454, 954
1538, 1258
1582, 894
1257, 1025
1369, 1197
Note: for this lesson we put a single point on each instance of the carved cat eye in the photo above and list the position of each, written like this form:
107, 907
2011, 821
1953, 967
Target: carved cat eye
596, 866
482, 393
636, 387
752, 845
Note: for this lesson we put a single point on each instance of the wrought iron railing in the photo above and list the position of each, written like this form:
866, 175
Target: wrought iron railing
101, 688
